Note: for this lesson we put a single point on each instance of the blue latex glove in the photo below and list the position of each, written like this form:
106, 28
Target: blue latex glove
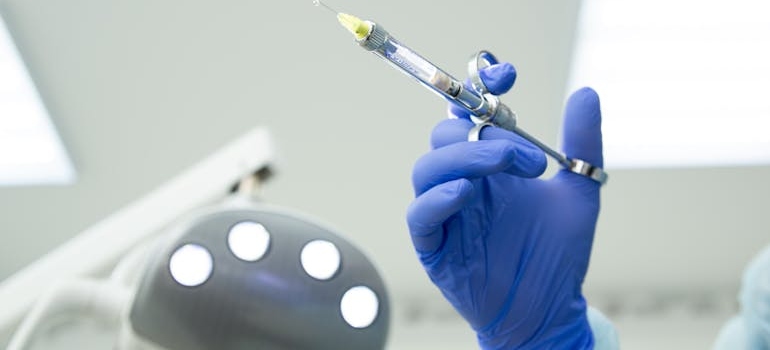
507, 250
751, 329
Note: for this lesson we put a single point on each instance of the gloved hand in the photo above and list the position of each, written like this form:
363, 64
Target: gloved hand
507, 250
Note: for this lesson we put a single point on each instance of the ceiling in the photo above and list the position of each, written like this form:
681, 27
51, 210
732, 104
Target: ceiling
140, 90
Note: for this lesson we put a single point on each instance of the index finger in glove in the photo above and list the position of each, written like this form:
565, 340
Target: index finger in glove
451, 131
471, 160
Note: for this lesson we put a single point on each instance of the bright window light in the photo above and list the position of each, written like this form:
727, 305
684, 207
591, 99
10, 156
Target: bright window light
682, 83
30, 150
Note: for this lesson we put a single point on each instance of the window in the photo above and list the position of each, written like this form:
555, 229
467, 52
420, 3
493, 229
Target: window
682, 83
30, 149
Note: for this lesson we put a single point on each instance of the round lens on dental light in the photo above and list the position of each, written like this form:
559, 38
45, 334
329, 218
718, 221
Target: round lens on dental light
248, 240
359, 307
320, 259
191, 265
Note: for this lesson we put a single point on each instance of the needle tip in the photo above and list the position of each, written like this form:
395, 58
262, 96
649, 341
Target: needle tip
319, 3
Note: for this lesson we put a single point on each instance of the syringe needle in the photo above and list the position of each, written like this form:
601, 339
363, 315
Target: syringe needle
320, 3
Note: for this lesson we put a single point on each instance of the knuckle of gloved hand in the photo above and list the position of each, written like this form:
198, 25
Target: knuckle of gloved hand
420, 228
497, 155
425, 174
417, 221
450, 131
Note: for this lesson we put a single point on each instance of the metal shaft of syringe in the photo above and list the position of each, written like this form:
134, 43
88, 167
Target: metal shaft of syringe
382, 44
485, 107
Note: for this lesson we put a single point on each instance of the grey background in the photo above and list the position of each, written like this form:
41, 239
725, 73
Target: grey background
139, 90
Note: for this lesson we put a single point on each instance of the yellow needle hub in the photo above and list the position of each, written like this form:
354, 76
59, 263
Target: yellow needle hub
359, 28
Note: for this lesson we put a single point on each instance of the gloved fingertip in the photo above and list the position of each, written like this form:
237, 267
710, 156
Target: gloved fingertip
499, 78
532, 163
520, 160
582, 135
586, 97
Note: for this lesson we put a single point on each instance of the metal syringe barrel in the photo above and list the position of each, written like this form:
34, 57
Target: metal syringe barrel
484, 107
